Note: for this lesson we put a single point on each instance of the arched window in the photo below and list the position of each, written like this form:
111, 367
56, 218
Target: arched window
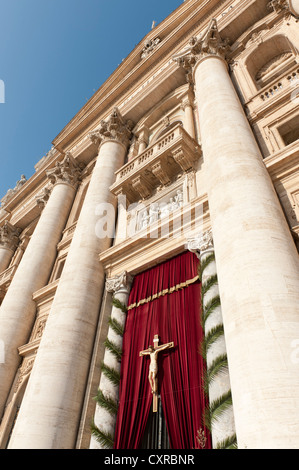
270, 59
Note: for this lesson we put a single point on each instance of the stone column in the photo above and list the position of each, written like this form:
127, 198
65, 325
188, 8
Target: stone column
189, 117
17, 310
50, 413
9, 239
219, 388
104, 419
257, 261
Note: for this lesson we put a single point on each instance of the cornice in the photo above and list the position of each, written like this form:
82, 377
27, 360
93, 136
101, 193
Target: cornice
283, 163
172, 31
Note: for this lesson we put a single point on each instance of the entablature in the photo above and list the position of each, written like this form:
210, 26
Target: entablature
162, 239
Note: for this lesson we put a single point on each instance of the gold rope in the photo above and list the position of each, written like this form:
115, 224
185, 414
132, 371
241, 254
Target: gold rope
164, 292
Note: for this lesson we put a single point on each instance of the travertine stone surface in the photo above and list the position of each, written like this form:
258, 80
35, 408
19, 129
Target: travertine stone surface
49, 416
18, 309
257, 267
120, 287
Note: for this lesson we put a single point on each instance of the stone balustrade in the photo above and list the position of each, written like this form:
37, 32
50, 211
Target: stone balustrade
158, 165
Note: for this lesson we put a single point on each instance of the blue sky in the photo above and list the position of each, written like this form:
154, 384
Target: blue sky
54, 54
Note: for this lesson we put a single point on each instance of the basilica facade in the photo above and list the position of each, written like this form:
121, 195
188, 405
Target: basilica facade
149, 275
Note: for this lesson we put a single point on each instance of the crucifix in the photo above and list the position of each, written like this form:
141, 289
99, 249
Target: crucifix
153, 352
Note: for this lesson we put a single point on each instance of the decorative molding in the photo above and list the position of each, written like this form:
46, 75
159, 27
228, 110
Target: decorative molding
182, 159
68, 171
9, 236
159, 172
121, 282
141, 187
149, 46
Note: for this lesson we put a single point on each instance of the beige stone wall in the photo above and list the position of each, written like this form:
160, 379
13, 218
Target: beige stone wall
165, 155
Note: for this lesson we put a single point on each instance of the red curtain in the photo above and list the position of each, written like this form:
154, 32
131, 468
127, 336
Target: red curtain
164, 300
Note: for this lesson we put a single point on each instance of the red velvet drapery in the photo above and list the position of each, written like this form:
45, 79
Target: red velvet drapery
164, 300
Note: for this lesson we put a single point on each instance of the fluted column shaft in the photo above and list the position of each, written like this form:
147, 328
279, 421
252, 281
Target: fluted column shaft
18, 308
257, 262
105, 420
50, 412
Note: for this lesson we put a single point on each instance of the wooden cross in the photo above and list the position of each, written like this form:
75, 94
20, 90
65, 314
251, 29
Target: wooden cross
153, 352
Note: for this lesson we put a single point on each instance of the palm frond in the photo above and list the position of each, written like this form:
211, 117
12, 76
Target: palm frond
210, 282
112, 374
204, 263
107, 403
115, 350
105, 439
229, 443
116, 326
118, 304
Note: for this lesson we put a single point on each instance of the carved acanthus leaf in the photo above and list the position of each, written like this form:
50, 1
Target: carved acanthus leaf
68, 171
209, 44
9, 236
201, 243
120, 282
115, 128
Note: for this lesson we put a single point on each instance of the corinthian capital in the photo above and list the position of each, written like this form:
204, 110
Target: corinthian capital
208, 44
201, 244
68, 171
116, 128
9, 236
121, 282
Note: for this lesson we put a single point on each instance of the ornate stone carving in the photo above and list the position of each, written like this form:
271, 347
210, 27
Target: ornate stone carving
278, 5
43, 197
182, 159
160, 173
159, 210
116, 128
11, 192
209, 44
9, 236
202, 243
149, 46
141, 187
23, 371
122, 281
68, 171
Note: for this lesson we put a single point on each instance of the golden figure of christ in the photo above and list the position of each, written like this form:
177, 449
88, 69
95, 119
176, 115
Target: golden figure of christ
153, 352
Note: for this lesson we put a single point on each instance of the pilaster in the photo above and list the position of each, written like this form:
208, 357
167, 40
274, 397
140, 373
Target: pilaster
214, 349
105, 419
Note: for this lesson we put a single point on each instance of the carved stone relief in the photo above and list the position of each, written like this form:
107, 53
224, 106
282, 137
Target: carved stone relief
9, 236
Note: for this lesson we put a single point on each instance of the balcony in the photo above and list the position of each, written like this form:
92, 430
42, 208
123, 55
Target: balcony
158, 166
